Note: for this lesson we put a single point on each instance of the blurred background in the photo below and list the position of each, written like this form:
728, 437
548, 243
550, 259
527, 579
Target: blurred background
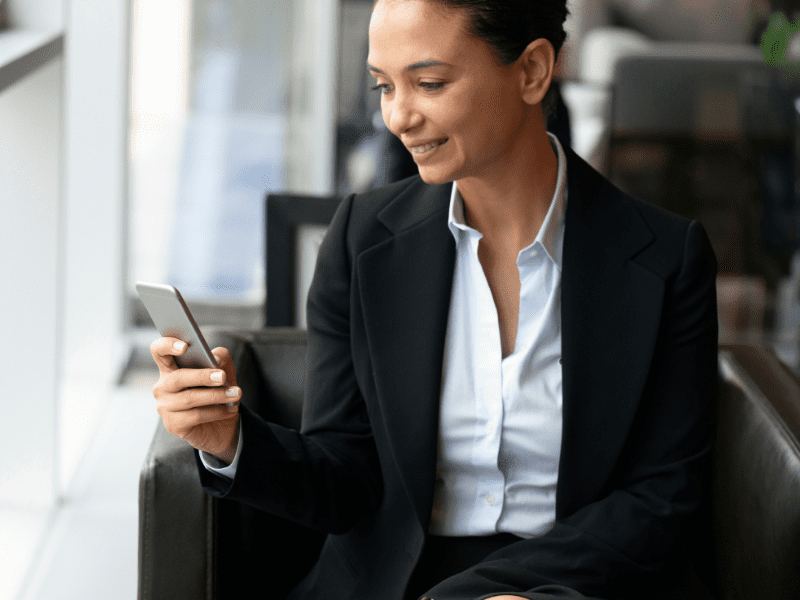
139, 140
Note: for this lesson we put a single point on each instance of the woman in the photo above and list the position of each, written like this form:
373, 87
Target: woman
510, 362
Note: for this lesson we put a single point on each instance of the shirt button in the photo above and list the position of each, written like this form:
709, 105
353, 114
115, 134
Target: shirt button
490, 500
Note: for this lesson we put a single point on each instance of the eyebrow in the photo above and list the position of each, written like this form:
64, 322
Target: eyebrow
417, 65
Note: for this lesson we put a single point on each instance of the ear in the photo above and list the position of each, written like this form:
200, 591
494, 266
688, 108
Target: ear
537, 64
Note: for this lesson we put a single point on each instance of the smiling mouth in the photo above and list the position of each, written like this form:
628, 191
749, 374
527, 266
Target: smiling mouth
428, 147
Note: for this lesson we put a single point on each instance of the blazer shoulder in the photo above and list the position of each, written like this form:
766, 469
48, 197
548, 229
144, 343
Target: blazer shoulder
662, 222
671, 236
676, 239
367, 205
372, 218
629, 218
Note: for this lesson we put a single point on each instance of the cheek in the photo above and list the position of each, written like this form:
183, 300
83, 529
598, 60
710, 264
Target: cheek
456, 120
478, 119
493, 111
473, 131
385, 115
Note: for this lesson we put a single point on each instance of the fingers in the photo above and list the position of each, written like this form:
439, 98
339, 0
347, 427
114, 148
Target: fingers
185, 422
193, 397
184, 389
163, 349
180, 379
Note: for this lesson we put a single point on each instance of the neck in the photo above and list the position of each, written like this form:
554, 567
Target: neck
509, 206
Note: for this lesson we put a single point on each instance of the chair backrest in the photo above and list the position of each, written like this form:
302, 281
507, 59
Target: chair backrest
290, 258
755, 500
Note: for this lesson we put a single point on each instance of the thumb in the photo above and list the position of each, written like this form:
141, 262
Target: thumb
225, 363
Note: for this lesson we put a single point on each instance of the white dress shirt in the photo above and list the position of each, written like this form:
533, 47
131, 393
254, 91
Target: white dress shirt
500, 419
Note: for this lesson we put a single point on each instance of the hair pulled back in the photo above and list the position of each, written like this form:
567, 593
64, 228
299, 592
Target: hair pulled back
508, 26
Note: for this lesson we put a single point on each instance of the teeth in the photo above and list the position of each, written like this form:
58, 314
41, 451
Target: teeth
427, 147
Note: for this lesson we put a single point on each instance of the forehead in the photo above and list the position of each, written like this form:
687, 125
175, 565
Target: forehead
406, 31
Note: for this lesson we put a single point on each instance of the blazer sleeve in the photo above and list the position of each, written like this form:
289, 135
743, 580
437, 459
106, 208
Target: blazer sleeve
327, 476
626, 536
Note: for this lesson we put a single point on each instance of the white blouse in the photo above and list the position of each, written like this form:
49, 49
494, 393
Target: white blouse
500, 419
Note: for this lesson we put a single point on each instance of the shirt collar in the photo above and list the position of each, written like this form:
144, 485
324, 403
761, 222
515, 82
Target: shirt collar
551, 233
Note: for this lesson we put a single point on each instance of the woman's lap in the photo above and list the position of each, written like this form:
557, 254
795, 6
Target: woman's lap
444, 557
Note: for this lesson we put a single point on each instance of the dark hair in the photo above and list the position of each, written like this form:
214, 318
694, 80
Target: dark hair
508, 26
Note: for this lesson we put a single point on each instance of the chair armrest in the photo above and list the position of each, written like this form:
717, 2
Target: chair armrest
176, 524
192, 545
756, 476
257, 550
177, 519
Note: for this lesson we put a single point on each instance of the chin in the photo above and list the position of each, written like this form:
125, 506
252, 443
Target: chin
433, 175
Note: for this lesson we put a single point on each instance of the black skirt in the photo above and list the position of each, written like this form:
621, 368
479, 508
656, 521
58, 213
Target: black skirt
443, 557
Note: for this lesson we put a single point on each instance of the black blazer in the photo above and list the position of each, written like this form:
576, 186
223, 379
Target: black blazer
639, 351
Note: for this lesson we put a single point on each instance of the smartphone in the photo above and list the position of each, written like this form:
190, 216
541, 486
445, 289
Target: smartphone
172, 318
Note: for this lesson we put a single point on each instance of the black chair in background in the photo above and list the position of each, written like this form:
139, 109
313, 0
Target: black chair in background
285, 215
710, 138
708, 135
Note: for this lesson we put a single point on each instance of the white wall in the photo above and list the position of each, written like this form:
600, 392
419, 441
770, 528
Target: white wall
313, 97
96, 153
42, 15
31, 264
63, 160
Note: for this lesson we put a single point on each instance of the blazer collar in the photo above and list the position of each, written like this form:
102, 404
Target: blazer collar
610, 311
416, 205
593, 203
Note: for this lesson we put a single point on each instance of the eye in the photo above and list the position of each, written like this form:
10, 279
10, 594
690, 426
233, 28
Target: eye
428, 86
431, 85
383, 87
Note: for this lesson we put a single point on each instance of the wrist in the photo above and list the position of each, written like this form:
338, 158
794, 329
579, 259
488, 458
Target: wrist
229, 453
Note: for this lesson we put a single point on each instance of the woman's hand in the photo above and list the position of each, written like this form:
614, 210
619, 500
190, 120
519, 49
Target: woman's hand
191, 402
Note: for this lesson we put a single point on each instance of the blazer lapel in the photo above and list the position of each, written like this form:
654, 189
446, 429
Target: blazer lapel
611, 308
405, 287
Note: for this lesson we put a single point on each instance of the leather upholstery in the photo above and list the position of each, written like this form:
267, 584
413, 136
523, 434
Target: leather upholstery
747, 536
756, 477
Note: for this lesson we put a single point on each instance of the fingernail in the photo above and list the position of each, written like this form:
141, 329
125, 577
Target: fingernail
232, 392
216, 376
179, 345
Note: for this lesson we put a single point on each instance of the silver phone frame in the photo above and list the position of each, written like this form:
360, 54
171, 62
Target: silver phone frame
172, 318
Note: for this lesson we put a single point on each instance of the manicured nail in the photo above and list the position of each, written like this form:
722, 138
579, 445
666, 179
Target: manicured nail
179, 345
232, 392
216, 376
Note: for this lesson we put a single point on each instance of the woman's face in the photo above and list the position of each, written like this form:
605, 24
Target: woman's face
443, 93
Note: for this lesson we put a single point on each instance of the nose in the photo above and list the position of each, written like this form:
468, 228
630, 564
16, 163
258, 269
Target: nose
401, 114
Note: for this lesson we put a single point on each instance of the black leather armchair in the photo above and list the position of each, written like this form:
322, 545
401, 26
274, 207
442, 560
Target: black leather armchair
193, 546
